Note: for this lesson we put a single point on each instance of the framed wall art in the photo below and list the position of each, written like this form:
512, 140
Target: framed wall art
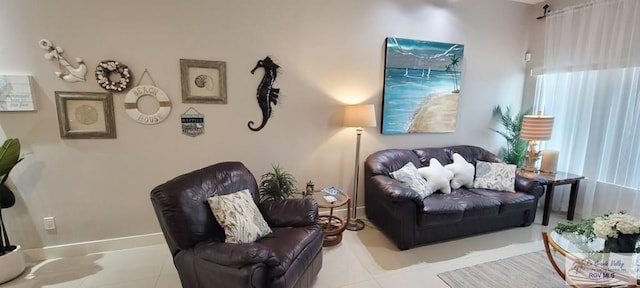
203, 81
85, 115
16, 93
421, 86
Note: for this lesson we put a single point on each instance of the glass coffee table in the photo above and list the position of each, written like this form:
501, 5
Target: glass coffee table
582, 264
332, 225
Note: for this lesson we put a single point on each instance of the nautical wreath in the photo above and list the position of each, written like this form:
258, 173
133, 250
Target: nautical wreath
108, 67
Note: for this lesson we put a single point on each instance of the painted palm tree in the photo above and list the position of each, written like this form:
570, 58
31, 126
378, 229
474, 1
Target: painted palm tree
453, 69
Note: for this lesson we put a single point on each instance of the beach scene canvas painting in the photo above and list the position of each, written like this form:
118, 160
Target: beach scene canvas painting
421, 86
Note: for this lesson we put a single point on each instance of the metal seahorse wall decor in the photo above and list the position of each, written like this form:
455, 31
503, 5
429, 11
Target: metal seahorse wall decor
55, 52
267, 95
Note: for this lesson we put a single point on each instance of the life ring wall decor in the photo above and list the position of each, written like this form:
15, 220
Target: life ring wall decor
106, 69
131, 104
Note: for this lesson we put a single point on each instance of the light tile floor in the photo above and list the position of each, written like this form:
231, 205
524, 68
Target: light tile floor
364, 259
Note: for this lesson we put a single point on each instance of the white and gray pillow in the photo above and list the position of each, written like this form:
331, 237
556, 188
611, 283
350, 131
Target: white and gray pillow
495, 176
409, 176
238, 214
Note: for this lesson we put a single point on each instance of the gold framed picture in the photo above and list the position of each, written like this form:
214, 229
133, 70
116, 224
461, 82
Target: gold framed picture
203, 81
85, 115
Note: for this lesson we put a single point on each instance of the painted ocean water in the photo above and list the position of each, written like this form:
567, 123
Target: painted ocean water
407, 89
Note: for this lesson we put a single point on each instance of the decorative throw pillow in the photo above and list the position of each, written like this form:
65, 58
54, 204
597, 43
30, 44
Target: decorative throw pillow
437, 176
408, 175
463, 172
495, 176
239, 216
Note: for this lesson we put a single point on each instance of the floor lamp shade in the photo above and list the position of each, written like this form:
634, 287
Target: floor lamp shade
358, 116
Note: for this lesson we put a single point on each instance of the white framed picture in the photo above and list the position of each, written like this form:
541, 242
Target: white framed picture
16, 93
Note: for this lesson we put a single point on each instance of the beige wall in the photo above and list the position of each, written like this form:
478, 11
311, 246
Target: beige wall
331, 52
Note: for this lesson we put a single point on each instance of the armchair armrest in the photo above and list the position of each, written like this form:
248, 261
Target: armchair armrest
290, 212
529, 185
393, 190
234, 255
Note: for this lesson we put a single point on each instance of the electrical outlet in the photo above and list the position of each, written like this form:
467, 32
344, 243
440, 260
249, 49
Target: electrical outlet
49, 223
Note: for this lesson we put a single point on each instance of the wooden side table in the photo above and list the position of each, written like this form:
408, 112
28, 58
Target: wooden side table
550, 181
332, 226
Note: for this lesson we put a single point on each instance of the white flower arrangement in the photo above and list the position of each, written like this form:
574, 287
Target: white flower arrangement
611, 225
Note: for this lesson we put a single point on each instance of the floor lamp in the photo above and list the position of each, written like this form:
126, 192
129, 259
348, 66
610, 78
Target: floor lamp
358, 116
535, 128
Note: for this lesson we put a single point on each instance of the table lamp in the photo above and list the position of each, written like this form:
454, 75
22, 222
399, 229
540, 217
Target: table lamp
358, 116
535, 128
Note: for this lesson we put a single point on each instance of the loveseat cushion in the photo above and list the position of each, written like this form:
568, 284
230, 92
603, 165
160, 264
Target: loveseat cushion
510, 201
386, 161
289, 212
455, 206
287, 243
233, 255
426, 154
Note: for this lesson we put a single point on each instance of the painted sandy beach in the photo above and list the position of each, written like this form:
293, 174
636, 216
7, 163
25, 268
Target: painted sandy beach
438, 114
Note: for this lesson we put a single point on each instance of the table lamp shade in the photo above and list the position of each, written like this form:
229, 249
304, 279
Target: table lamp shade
536, 127
359, 116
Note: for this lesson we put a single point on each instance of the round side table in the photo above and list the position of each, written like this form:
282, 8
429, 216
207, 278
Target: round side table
332, 226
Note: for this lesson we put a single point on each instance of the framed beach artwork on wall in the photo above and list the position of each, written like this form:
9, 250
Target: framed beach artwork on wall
421, 86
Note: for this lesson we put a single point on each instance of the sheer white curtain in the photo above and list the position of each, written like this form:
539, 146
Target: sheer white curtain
591, 84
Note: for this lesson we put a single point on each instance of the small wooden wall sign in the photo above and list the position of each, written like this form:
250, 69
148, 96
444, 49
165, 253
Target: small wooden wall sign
16, 93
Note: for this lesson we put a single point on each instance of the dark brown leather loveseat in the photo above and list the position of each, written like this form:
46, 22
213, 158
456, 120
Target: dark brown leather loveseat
290, 256
409, 220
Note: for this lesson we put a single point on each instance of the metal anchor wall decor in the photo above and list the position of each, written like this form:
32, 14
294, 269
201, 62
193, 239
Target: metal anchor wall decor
266, 93
74, 74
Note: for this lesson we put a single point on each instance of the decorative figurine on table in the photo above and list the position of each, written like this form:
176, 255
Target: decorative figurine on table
266, 93
309, 189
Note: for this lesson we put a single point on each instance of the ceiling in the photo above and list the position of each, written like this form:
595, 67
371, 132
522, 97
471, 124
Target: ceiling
530, 1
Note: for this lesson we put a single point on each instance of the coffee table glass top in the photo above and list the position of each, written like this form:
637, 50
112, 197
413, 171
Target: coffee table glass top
586, 264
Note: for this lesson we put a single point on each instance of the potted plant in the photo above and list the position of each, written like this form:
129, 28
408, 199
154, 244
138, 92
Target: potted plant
620, 231
277, 184
516, 148
11, 258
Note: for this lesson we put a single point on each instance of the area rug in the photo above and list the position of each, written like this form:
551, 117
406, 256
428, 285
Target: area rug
527, 270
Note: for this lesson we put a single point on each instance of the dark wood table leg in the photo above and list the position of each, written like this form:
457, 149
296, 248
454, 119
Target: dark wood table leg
547, 203
572, 199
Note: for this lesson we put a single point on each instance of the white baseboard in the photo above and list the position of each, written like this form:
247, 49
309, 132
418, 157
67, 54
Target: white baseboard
98, 246
84, 248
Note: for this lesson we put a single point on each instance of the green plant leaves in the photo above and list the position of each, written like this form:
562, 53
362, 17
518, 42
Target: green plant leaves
9, 155
516, 149
277, 184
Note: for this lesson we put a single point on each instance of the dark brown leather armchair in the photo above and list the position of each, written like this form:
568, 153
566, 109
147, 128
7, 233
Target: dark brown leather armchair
291, 256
